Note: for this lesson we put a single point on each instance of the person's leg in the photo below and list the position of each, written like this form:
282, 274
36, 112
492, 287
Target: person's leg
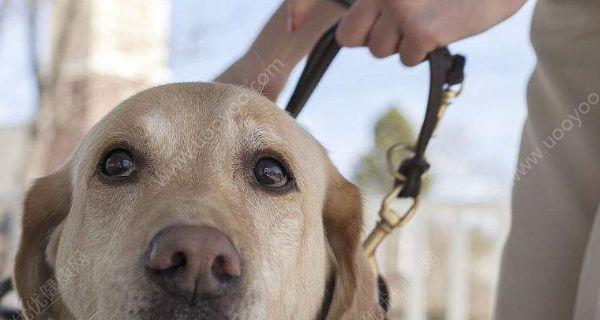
588, 296
557, 183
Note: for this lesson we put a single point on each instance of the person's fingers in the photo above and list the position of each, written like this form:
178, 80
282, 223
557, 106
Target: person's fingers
384, 37
418, 41
298, 13
354, 28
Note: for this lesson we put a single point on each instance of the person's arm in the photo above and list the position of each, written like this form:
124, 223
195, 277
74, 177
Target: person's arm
277, 49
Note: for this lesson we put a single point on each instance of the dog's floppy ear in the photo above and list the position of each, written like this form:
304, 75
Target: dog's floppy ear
355, 293
47, 203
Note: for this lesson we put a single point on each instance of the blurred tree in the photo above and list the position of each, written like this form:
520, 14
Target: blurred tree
371, 174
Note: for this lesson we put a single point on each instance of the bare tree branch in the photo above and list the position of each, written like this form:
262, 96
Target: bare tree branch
32, 45
64, 36
45, 81
45, 125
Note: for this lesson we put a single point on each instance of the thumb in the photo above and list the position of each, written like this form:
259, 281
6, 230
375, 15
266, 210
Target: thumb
298, 13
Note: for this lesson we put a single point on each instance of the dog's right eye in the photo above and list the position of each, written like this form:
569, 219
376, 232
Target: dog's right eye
118, 163
271, 173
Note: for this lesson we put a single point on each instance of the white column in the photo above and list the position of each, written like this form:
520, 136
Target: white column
418, 253
458, 295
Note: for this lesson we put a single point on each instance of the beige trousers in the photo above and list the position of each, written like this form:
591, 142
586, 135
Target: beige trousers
551, 262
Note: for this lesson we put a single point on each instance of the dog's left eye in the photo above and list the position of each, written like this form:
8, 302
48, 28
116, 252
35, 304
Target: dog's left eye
271, 173
118, 163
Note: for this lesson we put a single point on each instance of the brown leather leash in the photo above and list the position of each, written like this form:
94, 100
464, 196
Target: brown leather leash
445, 83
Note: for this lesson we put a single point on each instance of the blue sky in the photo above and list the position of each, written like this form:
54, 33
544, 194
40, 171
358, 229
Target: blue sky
475, 148
476, 145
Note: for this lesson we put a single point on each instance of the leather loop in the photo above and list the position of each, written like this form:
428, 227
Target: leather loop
412, 169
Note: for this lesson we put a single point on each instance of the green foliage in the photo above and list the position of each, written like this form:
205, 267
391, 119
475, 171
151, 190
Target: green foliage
392, 128
371, 174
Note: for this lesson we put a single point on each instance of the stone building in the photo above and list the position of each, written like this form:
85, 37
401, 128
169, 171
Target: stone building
101, 52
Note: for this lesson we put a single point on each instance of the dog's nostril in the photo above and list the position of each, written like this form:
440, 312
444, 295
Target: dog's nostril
178, 259
223, 270
218, 269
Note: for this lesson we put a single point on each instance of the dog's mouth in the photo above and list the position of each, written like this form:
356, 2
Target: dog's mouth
169, 308
204, 311
227, 307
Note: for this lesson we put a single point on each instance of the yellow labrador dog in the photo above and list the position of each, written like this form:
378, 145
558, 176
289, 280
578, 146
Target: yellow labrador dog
195, 201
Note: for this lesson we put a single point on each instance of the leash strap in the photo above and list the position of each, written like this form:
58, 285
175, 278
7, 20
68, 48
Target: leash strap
317, 63
445, 70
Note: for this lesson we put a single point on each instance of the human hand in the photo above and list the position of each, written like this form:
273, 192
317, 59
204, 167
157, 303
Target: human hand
412, 28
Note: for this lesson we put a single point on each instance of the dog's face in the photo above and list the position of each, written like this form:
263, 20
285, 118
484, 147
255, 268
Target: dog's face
194, 201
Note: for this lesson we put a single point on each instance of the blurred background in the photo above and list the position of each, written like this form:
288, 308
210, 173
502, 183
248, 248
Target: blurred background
65, 63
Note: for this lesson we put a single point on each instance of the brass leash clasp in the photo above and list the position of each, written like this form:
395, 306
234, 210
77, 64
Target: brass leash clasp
449, 95
389, 219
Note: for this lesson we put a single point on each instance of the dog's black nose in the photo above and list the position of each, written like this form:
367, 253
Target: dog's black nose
192, 261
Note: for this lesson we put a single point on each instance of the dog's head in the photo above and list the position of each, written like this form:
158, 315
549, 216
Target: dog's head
194, 201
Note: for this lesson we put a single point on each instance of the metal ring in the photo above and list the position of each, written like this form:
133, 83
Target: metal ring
390, 163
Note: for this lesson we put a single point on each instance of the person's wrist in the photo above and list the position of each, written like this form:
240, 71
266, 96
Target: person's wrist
257, 62
262, 73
